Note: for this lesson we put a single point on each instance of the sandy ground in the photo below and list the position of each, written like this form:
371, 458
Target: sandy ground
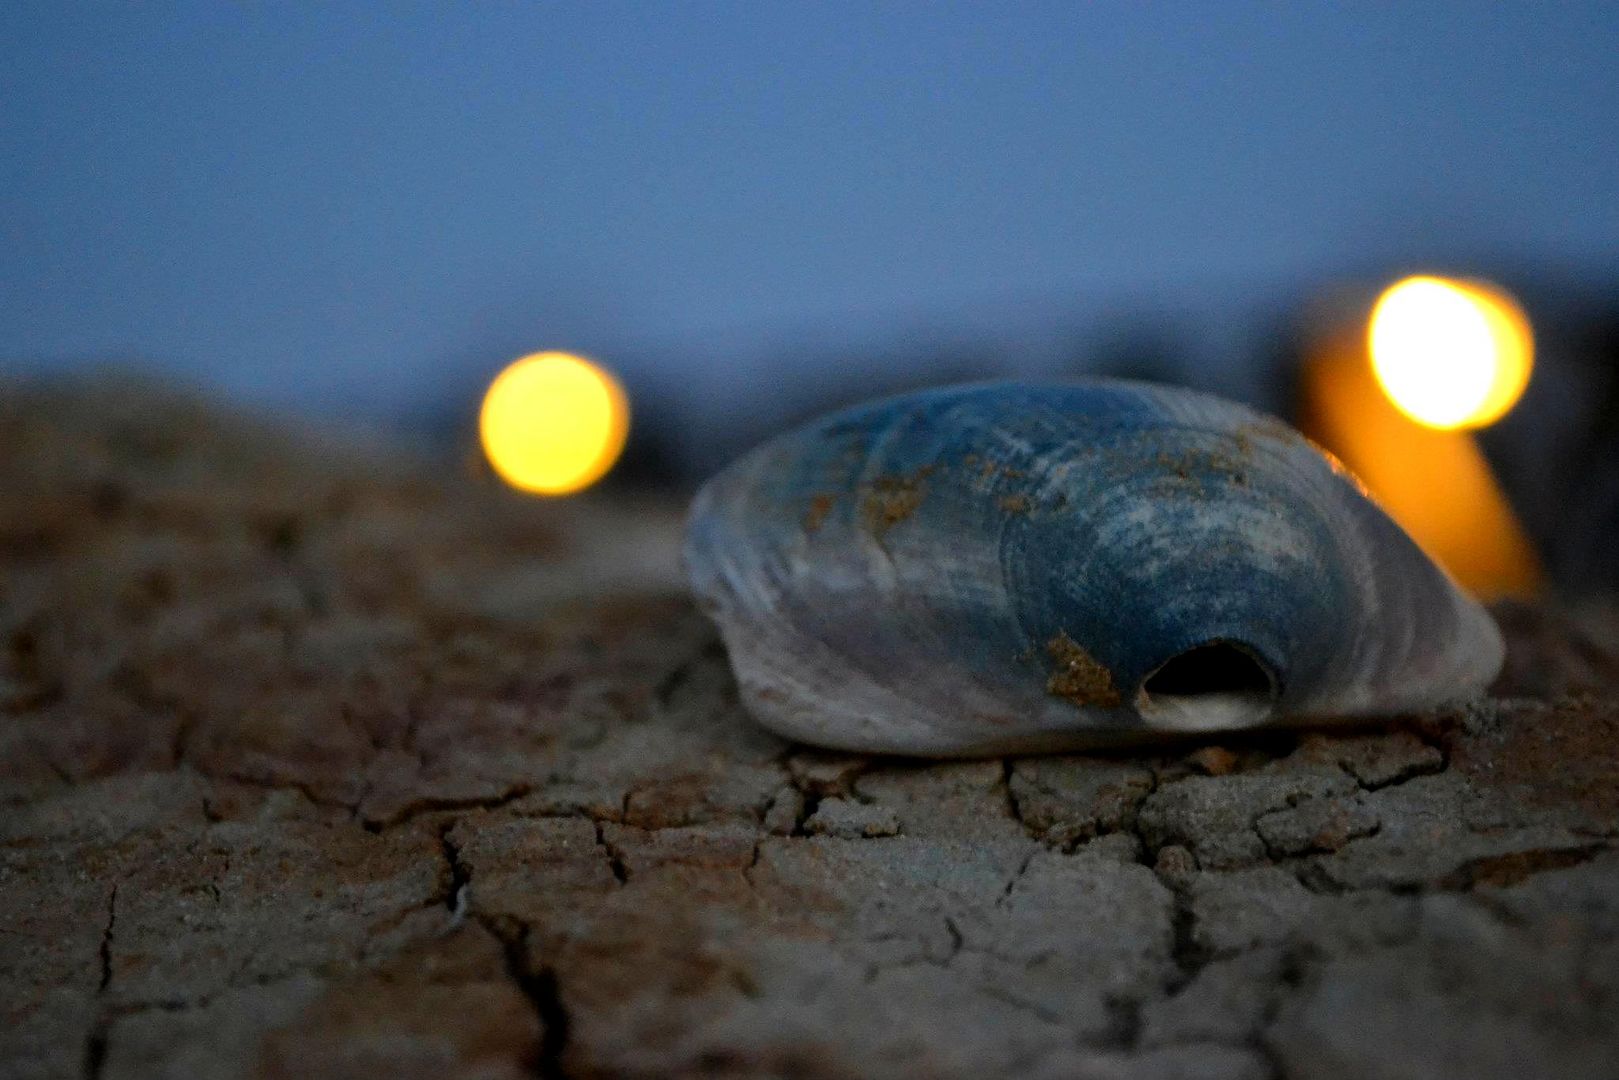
318, 762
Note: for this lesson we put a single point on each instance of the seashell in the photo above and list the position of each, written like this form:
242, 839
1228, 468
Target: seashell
1005, 568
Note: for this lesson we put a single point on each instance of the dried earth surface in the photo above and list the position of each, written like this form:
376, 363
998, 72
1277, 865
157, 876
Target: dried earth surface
315, 761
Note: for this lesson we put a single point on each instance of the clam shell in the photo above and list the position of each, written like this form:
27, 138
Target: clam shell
1011, 567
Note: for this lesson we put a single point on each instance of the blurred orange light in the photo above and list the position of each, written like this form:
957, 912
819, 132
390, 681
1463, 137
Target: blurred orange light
553, 423
1444, 355
1450, 354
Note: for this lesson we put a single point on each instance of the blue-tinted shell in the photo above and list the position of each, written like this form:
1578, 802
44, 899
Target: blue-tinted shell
1010, 567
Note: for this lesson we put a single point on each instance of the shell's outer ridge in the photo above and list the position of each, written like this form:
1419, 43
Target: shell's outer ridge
893, 577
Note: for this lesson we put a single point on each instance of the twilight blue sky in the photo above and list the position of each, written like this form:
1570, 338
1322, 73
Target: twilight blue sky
352, 207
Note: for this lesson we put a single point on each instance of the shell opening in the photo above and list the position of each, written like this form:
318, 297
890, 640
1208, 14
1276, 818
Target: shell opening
1215, 686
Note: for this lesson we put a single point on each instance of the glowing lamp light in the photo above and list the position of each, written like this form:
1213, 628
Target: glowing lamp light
1450, 354
553, 423
1392, 397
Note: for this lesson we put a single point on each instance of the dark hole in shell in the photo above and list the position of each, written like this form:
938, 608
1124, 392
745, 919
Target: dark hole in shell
1220, 668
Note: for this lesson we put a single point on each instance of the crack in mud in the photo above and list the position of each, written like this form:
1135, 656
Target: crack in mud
541, 989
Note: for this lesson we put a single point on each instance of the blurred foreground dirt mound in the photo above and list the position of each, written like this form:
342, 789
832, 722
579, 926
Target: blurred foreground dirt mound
317, 762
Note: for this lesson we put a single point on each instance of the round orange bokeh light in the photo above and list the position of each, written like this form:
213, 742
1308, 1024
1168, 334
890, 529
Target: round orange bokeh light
1450, 354
553, 423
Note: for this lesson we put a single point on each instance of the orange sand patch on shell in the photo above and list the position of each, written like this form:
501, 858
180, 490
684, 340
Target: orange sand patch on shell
1015, 504
819, 507
1079, 676
891, 499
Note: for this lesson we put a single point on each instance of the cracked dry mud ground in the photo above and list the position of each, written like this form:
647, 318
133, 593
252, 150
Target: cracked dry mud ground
317, 763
